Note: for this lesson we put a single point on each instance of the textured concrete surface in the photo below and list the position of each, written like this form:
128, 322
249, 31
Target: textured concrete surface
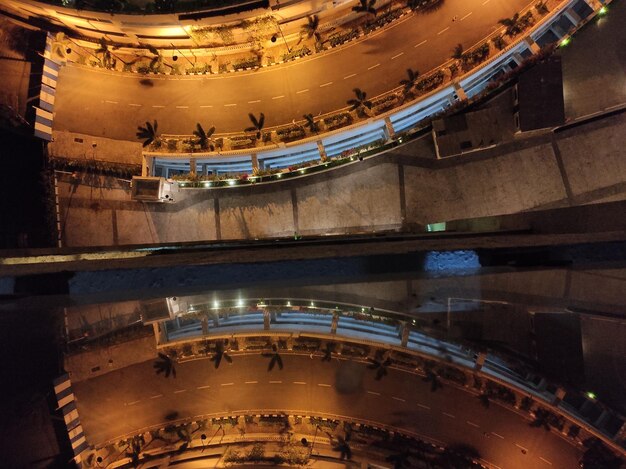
249, 216
511, 183
367, 199
579, 166
594, 64
594, 162
86, 147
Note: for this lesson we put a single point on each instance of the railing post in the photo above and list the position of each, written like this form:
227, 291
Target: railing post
333, 325
390, 132
192, 166
480, 361
255, 161
404, 333
266, 320
321, 150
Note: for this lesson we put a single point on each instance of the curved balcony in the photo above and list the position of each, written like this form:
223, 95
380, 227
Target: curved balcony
369, 134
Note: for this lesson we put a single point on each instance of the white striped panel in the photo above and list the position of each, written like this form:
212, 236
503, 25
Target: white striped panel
48, 81
44, 128
69, 398
50, 70
79, 442
76, 431
47, 97
65, 384
70, 417
48, 115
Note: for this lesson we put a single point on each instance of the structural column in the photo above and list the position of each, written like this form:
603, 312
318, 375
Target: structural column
147, 166
460, 92
532, 45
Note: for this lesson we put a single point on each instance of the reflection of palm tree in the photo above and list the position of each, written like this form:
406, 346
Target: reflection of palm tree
328, 351
136, 444
462, 456
310, 29
60, 45
484, 400
359, 103
342, 445
432, 377
400, 460
149, 133
380, 366
542, 419
107, 59
365, 6
276, 359
165, 365
204, 137
220, 354
257, 124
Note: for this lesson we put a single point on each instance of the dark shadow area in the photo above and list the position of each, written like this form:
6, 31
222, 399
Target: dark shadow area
23, 194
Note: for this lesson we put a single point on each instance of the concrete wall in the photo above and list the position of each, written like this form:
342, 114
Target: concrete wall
388, 192
87, 147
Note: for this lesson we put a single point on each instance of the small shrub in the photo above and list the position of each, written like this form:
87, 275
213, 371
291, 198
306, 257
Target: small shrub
249, 62
499, 42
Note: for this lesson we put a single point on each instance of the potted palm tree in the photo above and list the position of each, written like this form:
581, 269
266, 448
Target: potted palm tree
408, 84
311, 123
360, 104
149, 134
257, 125
204, 137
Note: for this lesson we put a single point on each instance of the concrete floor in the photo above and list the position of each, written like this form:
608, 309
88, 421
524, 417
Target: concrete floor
594, 65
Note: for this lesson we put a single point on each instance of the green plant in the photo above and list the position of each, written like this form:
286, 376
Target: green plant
204, 137
542, 8
295, 53
499, 42
457, 52
249, 62
516, 24
225, 33
256, 453
359, 103
382, 20
338, 38
311, 123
